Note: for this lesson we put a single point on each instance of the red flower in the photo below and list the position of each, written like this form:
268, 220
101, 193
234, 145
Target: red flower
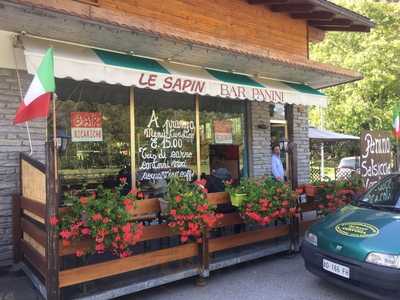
100, 248
172, 224
178, 198
79, 253
97, 217
127, 228
123, 180
83, 200
172, 212
124, 254
285, 203
184, 238
65, 234
329, 197
133, 191
85, 231
53, 220
140, 195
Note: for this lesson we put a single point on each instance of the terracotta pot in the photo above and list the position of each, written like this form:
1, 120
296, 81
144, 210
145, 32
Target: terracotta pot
311, 190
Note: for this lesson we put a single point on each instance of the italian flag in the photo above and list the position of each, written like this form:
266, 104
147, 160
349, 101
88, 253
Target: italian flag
37, 99
396, 121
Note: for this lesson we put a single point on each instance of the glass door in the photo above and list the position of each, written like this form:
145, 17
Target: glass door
279, 135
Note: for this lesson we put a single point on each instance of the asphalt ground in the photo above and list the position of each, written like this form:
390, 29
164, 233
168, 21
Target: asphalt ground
279, 277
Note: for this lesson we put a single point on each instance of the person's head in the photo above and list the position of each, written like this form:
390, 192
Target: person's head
276, 149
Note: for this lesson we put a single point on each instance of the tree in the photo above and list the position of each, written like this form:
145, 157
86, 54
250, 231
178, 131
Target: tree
368, 103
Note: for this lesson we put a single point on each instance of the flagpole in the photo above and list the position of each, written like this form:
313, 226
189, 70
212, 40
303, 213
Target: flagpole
22, 97
53, 100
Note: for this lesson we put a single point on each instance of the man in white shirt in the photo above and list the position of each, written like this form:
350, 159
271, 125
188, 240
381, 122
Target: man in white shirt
277, 167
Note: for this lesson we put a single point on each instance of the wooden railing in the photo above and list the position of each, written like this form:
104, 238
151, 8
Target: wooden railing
32, 237
29, 213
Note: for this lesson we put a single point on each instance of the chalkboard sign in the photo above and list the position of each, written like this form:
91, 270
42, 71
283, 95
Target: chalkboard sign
375, 156
165, 152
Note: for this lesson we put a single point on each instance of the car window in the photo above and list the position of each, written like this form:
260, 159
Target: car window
385, 193
347, 163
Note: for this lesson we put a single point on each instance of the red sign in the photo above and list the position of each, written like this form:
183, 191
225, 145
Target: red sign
223, 131
86, 127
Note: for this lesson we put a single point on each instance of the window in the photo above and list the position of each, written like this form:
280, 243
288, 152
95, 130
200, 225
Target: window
165, 138
93, 127
385, 193
223, 136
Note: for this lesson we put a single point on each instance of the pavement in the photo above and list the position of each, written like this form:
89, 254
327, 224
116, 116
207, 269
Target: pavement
14, 285
278, 277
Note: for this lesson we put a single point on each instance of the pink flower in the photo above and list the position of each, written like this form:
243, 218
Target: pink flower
79, 253
178, 198
97, 217
53, 220
65, 234
85, 231
124, 254
123, 180
127, 228
100, 248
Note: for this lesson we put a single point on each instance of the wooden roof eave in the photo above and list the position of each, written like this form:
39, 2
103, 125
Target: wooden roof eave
321, 14
160, 45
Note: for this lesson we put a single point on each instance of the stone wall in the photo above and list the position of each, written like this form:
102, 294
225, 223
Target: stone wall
259, 139
298, 133
13, 140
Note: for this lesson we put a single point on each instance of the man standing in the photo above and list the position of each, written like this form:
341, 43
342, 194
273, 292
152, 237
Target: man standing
277, 167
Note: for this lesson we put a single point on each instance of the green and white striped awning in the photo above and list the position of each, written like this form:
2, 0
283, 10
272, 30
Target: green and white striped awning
82, 63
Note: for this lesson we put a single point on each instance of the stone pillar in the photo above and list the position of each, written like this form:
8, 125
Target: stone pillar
259, 139
298, 133
13, 140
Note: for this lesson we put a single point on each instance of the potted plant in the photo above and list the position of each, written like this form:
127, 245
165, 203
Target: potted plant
103, 216
239, 192
336, 194
189, 211
268, 200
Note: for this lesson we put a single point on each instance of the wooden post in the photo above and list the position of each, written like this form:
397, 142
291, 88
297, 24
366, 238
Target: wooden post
52, 203
198, 157
204, 256
133, 135
17, 232
294, 226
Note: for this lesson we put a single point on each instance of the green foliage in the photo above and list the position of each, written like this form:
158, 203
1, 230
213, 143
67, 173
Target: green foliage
368, 103
102, 216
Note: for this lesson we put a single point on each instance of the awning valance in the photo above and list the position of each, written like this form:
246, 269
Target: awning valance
83, 63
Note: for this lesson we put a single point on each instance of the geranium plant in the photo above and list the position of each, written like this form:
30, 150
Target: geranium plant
102, 216
336, 194
188, 209
267, 200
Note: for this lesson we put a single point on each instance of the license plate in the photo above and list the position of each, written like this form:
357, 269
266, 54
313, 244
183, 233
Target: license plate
335, 268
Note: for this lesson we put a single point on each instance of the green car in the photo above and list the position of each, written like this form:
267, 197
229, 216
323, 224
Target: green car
358, 247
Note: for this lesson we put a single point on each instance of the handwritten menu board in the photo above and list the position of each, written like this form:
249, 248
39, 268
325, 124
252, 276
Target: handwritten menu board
166, 151
375, 156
